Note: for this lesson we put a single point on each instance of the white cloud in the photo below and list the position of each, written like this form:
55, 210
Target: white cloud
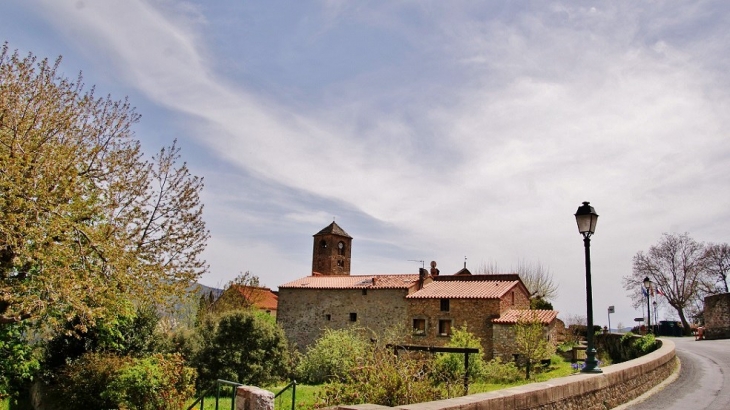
480, 138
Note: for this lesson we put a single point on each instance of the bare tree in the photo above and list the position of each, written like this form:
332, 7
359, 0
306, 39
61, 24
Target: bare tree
718, 264
676, 265
537, 278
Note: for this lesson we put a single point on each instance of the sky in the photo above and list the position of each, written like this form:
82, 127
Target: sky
460, 132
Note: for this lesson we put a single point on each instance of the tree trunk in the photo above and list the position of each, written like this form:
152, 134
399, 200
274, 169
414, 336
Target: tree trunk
685, 324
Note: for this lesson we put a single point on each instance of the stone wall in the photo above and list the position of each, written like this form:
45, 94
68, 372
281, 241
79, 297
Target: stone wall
717, 316
475, 313
305, 313
618, 384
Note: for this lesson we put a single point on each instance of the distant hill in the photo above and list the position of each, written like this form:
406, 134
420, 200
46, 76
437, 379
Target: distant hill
202, 290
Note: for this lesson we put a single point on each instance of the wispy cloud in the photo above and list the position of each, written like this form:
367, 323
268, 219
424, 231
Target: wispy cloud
465, 128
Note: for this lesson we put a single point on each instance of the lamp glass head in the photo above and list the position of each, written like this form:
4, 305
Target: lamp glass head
586, 217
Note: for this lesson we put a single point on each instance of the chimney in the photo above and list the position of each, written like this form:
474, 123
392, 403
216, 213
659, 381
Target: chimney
422, 275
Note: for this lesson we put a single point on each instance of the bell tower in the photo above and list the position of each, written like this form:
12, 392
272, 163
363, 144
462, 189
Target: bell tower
331, 252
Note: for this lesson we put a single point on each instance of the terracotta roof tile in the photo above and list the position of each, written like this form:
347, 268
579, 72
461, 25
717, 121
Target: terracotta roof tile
464, 289
353, 282
262, 298
511, 317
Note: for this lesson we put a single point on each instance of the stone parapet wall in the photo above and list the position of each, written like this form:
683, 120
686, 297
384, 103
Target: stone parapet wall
717, 316
618, 384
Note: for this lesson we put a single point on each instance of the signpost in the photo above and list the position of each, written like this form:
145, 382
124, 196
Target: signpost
610, 310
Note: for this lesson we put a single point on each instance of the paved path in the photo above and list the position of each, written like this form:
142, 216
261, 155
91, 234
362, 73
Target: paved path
704, 378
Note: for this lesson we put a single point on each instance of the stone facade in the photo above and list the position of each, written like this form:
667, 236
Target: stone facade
305, 313
717, 316
476, 314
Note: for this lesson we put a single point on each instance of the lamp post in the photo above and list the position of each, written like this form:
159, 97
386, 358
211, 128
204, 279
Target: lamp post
647, 286
586, 217
656, 316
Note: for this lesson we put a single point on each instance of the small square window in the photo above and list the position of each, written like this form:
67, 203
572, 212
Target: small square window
328, 317
364, 292
445, 327
444, 305
353, 317
419, 326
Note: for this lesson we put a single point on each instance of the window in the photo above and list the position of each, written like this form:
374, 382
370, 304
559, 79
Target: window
328, 317
364, 292
341, 263
353, 317
341, 248
323, 244
419, 327
445, 327
513, 298
444, 305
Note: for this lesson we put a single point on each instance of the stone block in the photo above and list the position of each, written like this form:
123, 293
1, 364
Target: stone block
254, 398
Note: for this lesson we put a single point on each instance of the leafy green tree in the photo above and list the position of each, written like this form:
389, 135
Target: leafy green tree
104, 381
333, 356
245, 347
124, 335
531, 341
19, 360
87, 222
450, 366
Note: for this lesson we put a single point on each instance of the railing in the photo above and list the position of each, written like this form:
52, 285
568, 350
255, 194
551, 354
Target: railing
217, 387
293, 386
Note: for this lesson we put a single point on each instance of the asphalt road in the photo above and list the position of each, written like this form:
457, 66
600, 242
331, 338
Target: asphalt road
703, 382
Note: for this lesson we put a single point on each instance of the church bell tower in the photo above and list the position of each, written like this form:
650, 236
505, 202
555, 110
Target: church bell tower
332, 251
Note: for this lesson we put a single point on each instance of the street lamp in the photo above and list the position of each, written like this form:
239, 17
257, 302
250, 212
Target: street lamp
647, 286
586, 217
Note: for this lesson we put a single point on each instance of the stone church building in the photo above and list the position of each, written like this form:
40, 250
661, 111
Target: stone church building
430, 305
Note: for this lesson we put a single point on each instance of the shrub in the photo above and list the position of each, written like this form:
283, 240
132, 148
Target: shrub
383, 378
17, 372
153, 383
124, 335
449, 367
83, 382
497, 372
332, 356
105, 381
244, 347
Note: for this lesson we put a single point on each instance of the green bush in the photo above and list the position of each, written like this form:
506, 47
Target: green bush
124, 335
244, 347
497, 372
449, 367
383, 378
19, 359
83, 382
332, 356
158, 382
153, 383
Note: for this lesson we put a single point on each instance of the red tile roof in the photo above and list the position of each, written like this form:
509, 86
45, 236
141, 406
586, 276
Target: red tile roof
464, 290
262, 298
511, 317
353, 282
